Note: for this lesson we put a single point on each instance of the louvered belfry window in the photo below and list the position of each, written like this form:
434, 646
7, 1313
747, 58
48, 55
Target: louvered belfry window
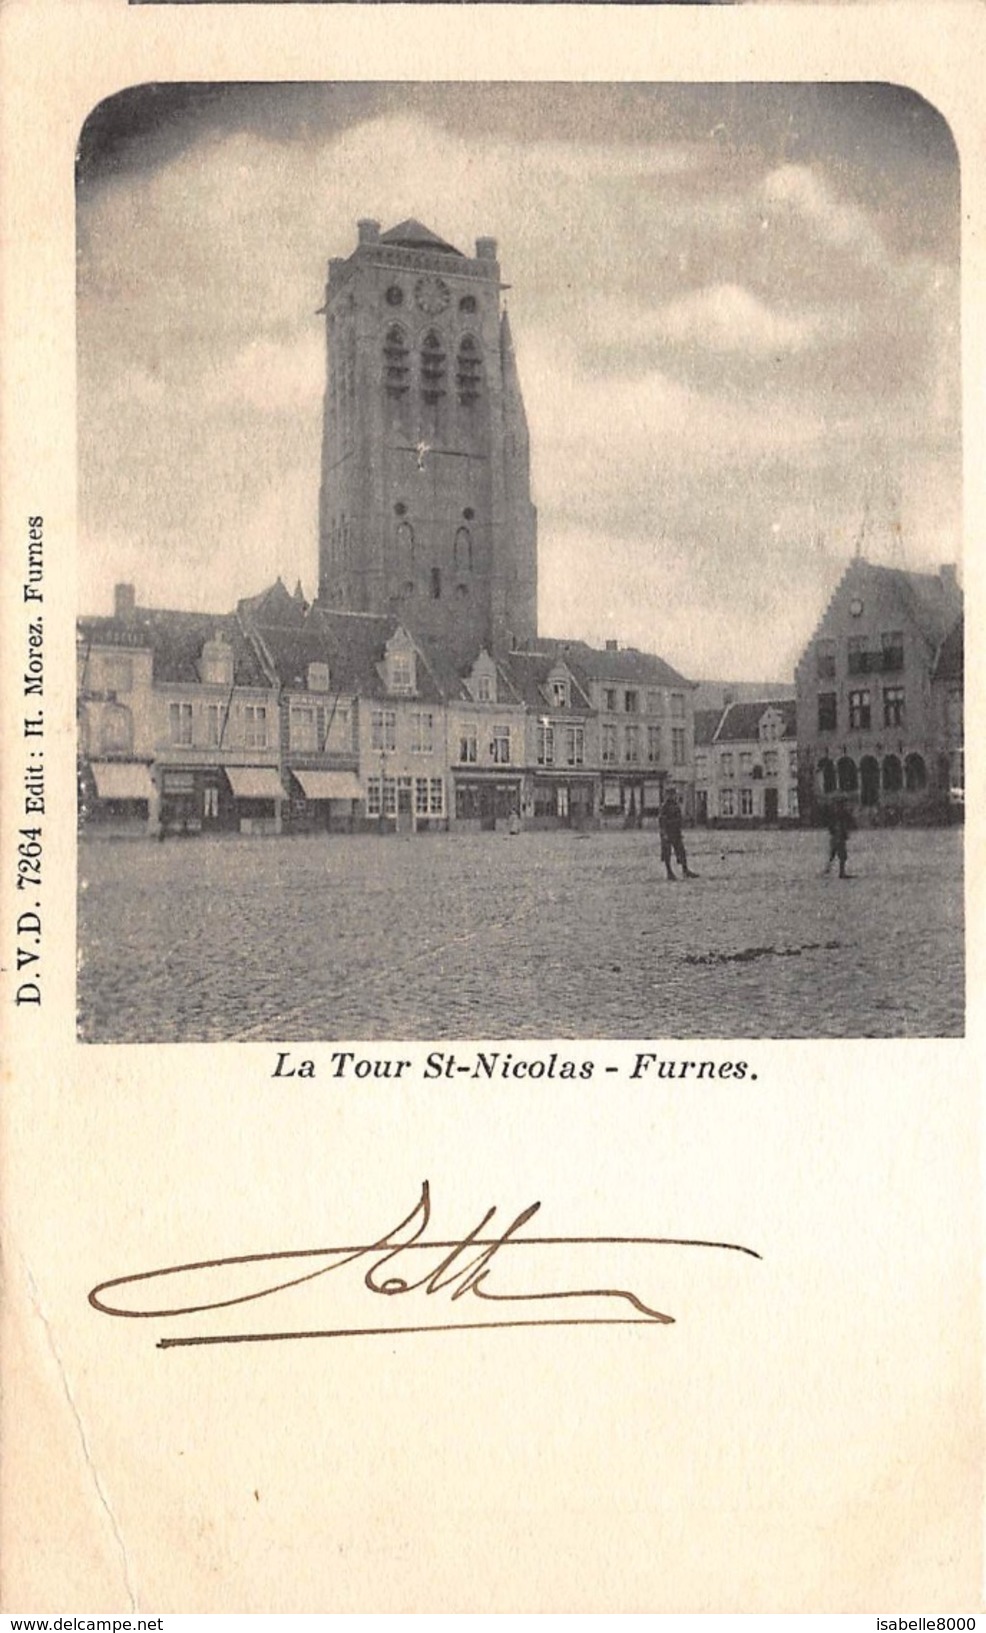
469, 371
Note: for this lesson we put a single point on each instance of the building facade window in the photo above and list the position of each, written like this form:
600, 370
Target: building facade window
770, 762
468, 745
892, 650
484, 689
609, 745
609, 699
678, 756
255, 725
575, 745
653, 745
213, 725
677, 705
858, 657
400, 672
302, 734
500, 745
893, 705
746, 763
654, 703
383, 729
546, 745
318, 677
421, 796
825, 660
631, 701
436, 796
631, 744
701, 765
559, 693
727, 802
746, 802
422, 732
828, 713
792, 802
373, 796
859, 711
792, 762
180, 721
726, 764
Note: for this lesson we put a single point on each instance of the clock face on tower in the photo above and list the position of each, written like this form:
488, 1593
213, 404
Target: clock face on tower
431, 295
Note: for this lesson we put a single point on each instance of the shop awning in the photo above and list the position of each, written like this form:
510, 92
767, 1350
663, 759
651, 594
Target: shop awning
254, 782
329, 784
116, 779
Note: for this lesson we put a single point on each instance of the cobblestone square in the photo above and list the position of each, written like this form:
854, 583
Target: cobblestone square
535, 935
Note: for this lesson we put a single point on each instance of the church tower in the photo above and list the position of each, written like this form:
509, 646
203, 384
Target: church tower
425, 509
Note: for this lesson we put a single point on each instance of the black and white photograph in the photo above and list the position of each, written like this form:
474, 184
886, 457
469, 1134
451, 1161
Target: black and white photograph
519, 563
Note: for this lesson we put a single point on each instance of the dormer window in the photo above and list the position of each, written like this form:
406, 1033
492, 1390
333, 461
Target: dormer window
318, 677
558, 688
400, 672
216, 666
482, 681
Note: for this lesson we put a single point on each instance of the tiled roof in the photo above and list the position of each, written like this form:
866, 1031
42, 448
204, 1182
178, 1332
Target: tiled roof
706, 721
950, 663
528, 673
353, 645
624, 664
413, 234
740, 722
176, 640
935, 602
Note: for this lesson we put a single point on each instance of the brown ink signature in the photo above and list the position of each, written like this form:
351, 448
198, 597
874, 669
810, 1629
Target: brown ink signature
392, 1274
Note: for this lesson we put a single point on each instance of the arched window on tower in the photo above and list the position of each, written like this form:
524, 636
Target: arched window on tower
469, 371
462, 551
396, 369
432, 368
405, 544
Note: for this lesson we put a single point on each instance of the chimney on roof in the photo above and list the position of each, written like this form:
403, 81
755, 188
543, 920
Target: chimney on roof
486, 249
124, 602
369, 231
612, 646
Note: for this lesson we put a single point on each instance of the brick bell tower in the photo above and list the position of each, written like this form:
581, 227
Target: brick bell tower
425, 509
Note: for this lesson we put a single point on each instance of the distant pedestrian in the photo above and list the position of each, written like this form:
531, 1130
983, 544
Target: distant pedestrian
672, 839
840, 822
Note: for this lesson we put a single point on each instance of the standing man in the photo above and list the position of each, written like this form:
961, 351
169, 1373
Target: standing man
672, 840
839, 822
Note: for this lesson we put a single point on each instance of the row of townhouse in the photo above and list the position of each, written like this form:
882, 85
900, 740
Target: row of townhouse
285, 717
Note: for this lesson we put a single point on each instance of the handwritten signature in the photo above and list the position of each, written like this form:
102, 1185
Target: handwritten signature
391, 1273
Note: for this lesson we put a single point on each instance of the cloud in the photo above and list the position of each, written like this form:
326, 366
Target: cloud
712, 346
727, 318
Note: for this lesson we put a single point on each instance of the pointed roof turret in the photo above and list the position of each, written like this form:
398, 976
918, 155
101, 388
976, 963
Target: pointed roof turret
412, 234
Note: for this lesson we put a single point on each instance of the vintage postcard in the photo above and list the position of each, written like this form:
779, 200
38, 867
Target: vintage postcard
489, 525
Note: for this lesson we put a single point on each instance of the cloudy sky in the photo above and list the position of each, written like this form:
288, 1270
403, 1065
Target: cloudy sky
735, 310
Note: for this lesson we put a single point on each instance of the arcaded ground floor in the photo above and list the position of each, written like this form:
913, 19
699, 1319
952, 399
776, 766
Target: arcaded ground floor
532, 935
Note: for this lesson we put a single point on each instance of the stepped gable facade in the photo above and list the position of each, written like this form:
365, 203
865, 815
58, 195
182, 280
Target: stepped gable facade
869, 727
